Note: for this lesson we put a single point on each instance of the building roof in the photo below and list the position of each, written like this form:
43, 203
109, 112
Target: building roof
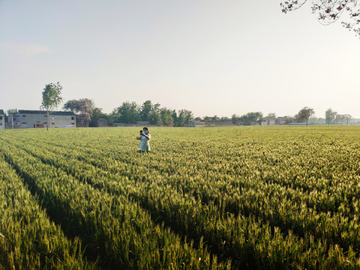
44, 112
1, 111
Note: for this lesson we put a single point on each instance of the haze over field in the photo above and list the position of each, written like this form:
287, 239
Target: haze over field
210, 57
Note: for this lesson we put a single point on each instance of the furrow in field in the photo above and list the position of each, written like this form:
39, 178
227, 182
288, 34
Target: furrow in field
115, 229
211, 211
320, 196
225, 186
28, 239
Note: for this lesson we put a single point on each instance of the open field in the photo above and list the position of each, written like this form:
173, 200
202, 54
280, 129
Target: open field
204, 198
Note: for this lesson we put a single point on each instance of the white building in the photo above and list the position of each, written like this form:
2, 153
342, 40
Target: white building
38, 119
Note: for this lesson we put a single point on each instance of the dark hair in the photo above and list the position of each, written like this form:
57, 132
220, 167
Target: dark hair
146, 128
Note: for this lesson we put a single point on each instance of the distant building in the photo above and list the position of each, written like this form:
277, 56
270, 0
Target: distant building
220, 123
197, 124
2, 119
270, 122
280, 121
101, 122
38, 119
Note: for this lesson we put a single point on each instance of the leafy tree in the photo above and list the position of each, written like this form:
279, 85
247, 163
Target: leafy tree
71, 105
347, 117
174, 117
224, 118
197, 118
314, 120
51, 98
188, 115
304, 115
271, 116
330, 11
215, 118
207, 118
166, 117
83, 107
10, 113
155, 116
256, 117
339, 118
128, 112
96, 115
183, 116
330, 116
110, 118
234, 119
145, 110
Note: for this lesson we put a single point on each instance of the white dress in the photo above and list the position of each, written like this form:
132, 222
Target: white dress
145, 143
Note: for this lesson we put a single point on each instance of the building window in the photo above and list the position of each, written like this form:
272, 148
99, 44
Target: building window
45, 123
53, 123
73, 123
24, 123
0, 117
37, 121
0, 124
24, 115
45, 115
73, 118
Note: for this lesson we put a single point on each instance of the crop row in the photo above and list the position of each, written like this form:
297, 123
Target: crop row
183, 212
116, 231
28, 239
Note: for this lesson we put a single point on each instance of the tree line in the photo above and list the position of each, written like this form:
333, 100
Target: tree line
131, 112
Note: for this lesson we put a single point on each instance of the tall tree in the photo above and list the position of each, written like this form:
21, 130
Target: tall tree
256, 117
271, 116
51, 98
145, 110
166, 117
330, 116
97, 113
347, 117
304, 114
10, 113
83, 107
339, 118
174, 117
330, 11
155, 116
128, 112
235, 118
71, 105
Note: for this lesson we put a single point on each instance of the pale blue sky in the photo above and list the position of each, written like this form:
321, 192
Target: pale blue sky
211, 57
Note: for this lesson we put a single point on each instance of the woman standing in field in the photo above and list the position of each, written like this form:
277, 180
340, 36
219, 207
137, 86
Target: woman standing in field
145, 138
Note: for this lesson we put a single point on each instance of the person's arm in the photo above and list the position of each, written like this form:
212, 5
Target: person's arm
147, 137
